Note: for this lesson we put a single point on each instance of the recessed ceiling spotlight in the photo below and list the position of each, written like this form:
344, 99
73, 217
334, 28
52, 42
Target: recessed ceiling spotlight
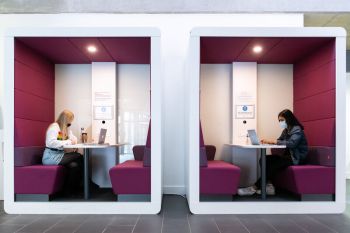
257, 49
91, 48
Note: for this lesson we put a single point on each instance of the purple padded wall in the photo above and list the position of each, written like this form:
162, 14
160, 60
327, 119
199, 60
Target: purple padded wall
314, 95
34, 96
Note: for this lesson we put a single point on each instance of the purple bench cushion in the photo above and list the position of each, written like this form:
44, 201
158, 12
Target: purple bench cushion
321, 155
219, 177
26, 156
39, 179
307, 179
131, 177
138, 151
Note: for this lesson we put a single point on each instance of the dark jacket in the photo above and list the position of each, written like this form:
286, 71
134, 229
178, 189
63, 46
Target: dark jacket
295, 141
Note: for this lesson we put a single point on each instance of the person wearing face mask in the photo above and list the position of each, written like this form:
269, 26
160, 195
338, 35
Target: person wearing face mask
58, 135
294, 139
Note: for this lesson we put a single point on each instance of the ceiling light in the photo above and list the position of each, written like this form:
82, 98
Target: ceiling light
91, 49
257, 49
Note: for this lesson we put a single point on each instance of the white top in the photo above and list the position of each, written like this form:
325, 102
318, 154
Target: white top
264, 146
52, 134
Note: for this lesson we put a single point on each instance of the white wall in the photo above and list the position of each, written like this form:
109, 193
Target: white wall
275, 93
216, 107
175, 33
73, 92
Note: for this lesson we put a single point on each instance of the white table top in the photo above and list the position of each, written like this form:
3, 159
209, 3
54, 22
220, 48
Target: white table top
264, 146
81, 145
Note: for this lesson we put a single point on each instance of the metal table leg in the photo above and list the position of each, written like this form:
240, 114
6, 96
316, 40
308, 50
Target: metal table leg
86, 174
263, 173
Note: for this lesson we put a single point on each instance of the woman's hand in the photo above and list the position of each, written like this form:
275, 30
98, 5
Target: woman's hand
267, 141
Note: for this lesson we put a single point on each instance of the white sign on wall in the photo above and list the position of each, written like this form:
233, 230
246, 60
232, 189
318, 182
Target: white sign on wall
245, 111
103, 112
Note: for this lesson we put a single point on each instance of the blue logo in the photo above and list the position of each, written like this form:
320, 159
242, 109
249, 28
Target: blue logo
245, 108
103, 109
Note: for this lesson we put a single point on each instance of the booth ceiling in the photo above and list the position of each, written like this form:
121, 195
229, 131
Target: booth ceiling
62, 50
221, 50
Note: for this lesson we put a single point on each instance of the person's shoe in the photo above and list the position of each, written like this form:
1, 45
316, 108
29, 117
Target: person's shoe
270, 190
247, 191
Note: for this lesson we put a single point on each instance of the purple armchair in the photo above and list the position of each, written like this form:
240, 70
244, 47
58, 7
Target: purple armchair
34, 181
131, 177
315, 178
134, 176
216, 176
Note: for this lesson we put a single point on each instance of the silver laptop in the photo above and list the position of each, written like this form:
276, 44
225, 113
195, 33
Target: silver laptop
253, 137
101, 138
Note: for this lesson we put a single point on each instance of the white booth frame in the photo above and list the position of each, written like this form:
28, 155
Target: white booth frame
152, 207
192, 121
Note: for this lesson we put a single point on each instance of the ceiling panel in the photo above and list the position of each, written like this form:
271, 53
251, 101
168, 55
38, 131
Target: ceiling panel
239, 49
65, 50
101, 54
221, 49
266, 43
58, 50
129, 50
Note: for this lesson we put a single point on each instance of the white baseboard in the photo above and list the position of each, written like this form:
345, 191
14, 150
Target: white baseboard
180, 190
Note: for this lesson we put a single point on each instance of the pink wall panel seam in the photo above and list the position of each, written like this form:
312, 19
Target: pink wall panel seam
27, 119
309, 96
30, 93
312, 70
318, 119
43, 74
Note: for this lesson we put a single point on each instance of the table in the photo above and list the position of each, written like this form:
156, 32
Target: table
86, 148
262, 148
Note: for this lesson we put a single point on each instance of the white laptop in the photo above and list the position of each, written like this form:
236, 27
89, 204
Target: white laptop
101, 138
254, 139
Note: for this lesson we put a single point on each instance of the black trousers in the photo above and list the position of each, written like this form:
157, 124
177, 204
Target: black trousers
74, 162
274, 164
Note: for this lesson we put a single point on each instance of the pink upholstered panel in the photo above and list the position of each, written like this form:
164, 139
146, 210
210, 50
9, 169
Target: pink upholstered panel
34, 96
30, 133
33, 81
138, 151
317, 81
314, 95
318, 58
201, 137
32, 107
26, 156
39, 179
316, 107
219, 178
131, 177
36, 61
320, 132
321, 155
307, 179
148, 140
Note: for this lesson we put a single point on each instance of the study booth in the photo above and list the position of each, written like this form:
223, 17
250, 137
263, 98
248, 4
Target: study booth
239, 80
109, 78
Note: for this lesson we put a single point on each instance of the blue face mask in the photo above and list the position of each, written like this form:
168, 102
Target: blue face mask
283, 124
